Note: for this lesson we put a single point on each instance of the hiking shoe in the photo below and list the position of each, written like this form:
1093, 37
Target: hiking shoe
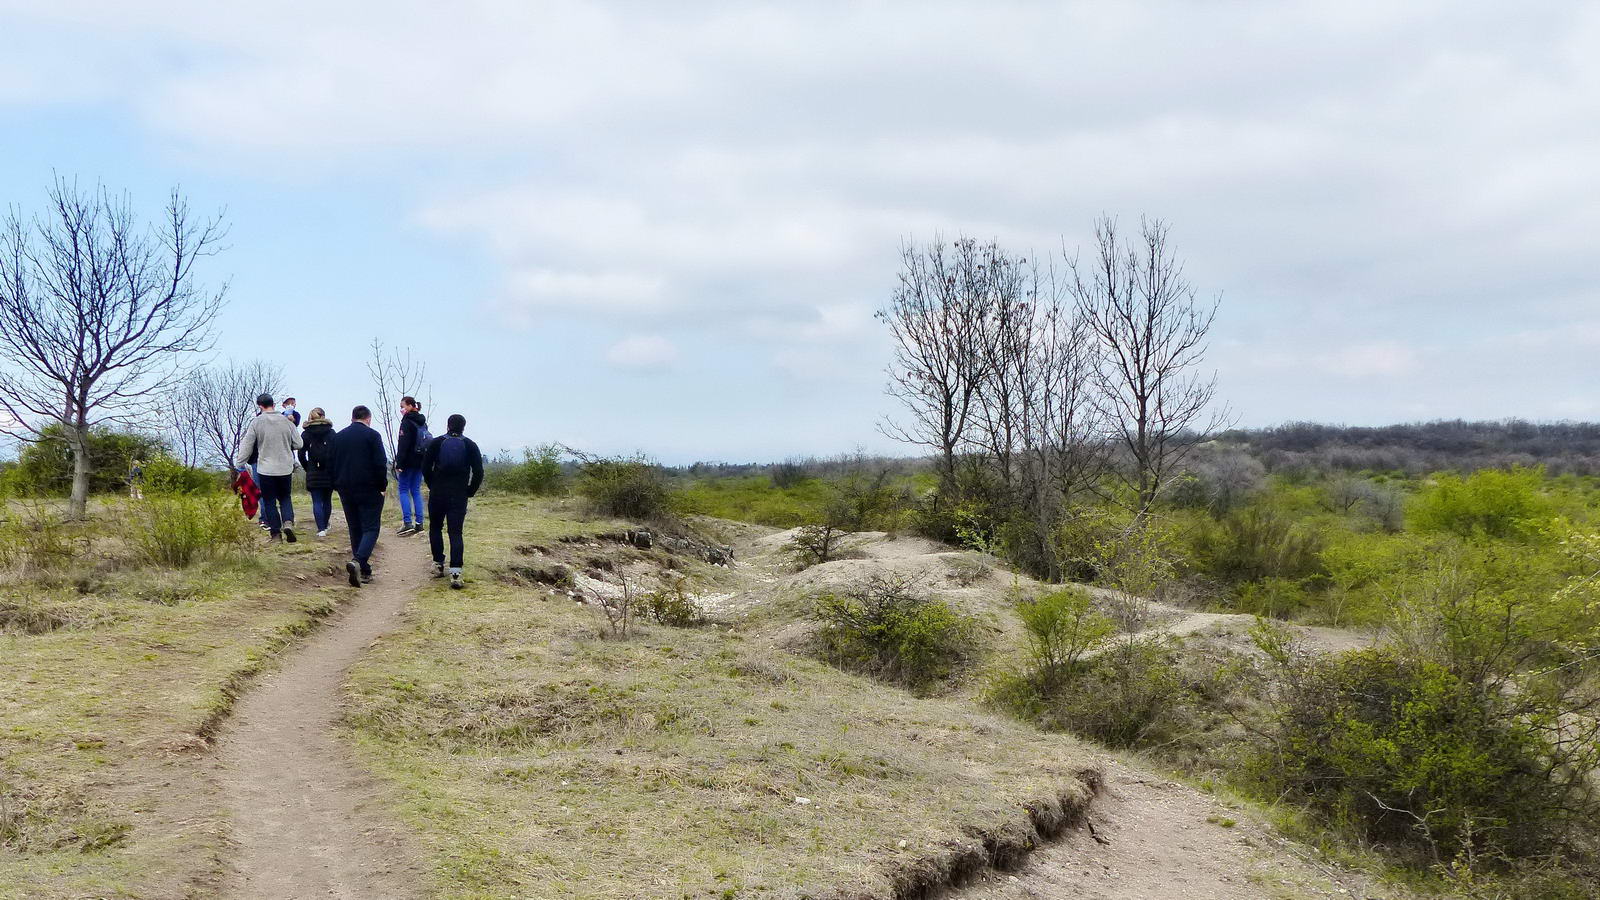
456, 582
366, 577
438, 570
403, 530
353, 569
288, 532
274, 538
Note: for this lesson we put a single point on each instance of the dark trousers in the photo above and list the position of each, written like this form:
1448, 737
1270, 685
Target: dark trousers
362, 510
446, 509
321, 506
277, 504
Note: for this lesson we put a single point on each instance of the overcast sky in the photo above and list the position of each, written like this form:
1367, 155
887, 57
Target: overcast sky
666, 226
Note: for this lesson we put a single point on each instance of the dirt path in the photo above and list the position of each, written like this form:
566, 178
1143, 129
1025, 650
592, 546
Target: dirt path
304, 822
1153, 839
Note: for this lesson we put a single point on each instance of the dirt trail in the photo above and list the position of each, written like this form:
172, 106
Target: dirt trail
1153, 839
304, 822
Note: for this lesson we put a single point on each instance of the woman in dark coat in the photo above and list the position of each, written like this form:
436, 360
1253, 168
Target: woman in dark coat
316, 457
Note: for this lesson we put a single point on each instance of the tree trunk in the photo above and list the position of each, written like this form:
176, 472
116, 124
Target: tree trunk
80, 470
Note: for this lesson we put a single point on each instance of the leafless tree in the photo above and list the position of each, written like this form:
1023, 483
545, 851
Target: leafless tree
97, 312
937, 317
1152, 332
396, 373
214, 406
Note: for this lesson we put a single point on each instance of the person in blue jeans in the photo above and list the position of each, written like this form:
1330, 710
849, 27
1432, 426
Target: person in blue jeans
413, 440
316, 458
360, 475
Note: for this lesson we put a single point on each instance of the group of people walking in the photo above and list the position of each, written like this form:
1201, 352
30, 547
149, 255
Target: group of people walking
351, 463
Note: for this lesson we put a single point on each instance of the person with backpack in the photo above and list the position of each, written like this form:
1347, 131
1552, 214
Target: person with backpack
271, 442
316, 457
414, 438
453, 468
360, 475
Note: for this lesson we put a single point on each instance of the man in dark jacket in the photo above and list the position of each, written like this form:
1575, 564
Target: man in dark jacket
316, 458
408, 449
453, 468
360, 475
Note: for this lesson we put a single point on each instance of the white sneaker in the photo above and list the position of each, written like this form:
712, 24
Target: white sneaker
322, 533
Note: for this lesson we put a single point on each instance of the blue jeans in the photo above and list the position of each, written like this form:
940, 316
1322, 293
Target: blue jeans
321, 506
410, 483
362, 512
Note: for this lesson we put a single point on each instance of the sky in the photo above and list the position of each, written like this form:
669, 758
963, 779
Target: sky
666, 227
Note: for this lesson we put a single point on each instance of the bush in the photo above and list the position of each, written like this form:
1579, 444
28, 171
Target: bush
539, 473
34, 538
1258, 542
165, 475
672, 604
1060, 626
174, 530
1493, 503
814, 545
1409, 754
628, 488
887, 628
44, 468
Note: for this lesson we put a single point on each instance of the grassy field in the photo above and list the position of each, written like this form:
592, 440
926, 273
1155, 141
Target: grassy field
537, 757
113, 674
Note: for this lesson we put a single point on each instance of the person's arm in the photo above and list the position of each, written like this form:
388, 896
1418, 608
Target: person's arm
247, 446
430, 461
406, 443
379, 464
475, 459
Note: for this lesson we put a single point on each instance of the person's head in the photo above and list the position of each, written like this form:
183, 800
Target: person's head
264, 401
409, 404
288, 403
317, 413
456, 424
361, 414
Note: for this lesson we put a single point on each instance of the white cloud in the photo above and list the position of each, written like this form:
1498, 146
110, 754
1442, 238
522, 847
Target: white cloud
642, 351
748, 171
1381, 359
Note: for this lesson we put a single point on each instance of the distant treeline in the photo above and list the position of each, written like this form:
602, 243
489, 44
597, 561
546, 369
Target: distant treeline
1418, 447
1311, 448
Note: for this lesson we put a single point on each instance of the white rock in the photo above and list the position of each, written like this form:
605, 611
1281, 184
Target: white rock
802, 801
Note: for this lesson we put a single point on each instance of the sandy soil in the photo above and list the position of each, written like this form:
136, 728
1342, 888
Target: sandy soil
305, 821
1153, 839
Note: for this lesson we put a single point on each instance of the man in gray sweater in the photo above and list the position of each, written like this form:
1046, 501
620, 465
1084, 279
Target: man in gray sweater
270, 444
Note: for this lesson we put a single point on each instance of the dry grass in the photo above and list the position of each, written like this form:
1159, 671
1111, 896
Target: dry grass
112, 674
536, 758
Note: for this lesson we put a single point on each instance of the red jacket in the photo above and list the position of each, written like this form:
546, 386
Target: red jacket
249, 493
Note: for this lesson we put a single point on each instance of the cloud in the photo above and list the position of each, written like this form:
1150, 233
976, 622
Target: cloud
643, 352
1381, 359
746, 172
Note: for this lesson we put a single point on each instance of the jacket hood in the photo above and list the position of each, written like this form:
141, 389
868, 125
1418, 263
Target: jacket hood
315, 421
415, 416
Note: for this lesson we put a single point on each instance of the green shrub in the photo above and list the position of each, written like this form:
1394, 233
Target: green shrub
1493, 503
1408, 753
1258, 542
1061, 626
813, 545
889, 629
34, 538
539, 473
626, 487
166, 475
1277, 598
44, 468
672, 604
175, 530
